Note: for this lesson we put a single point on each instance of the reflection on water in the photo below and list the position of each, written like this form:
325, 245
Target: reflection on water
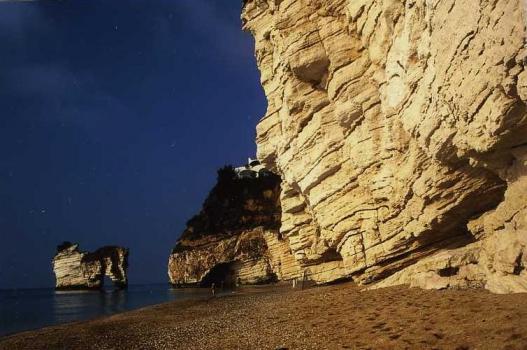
68, 305
25, 309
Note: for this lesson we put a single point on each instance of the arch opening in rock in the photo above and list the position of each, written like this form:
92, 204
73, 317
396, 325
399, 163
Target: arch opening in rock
221, 274
107, 283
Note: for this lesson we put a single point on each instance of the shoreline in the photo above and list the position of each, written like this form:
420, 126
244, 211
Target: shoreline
202, 296
326, 317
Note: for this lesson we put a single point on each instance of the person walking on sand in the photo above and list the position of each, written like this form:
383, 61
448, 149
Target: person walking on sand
213, 289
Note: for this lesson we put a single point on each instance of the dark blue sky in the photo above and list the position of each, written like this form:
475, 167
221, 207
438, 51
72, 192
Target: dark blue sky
114, 118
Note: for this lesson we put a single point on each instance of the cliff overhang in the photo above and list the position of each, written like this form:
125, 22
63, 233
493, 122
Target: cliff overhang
402, 155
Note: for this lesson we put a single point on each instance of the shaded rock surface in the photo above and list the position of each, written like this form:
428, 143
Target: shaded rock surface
235, 238
399, 131
75, 269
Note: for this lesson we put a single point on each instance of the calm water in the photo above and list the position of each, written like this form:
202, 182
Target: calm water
24, 309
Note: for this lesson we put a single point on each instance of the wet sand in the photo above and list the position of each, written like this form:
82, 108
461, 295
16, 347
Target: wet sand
330, 317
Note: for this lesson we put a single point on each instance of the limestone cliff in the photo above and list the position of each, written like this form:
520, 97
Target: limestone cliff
229, 240
399, 131
75, 269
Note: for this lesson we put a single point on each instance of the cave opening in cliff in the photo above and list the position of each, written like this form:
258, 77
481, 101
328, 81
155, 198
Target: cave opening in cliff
221, 275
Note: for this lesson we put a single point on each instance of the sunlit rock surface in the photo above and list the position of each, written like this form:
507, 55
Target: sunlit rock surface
399, 131
235, 238
75, 269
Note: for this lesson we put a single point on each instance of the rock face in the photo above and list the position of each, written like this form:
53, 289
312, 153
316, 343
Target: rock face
228, 241
399, 130
75, 269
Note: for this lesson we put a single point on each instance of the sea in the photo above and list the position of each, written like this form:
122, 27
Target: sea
27, 309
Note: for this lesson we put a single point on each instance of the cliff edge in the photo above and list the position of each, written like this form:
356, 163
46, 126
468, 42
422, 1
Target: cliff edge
399, 131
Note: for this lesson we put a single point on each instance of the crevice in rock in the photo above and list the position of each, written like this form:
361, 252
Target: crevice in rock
518, 265
344, 279
330, 254
448, 271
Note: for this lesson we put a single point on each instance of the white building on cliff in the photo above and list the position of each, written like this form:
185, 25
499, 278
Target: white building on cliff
252, 170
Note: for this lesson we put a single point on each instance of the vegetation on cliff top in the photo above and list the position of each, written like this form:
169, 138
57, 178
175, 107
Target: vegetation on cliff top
235, 204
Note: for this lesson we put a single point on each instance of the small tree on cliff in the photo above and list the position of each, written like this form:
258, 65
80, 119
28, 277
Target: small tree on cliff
64, 245
226, 174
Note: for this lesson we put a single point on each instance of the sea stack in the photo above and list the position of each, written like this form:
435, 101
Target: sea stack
75, 269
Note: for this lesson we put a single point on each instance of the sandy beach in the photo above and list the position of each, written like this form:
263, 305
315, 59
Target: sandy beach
330, 317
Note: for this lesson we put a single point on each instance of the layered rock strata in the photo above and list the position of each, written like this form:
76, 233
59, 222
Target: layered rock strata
235, 238
399, 130
75, 269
